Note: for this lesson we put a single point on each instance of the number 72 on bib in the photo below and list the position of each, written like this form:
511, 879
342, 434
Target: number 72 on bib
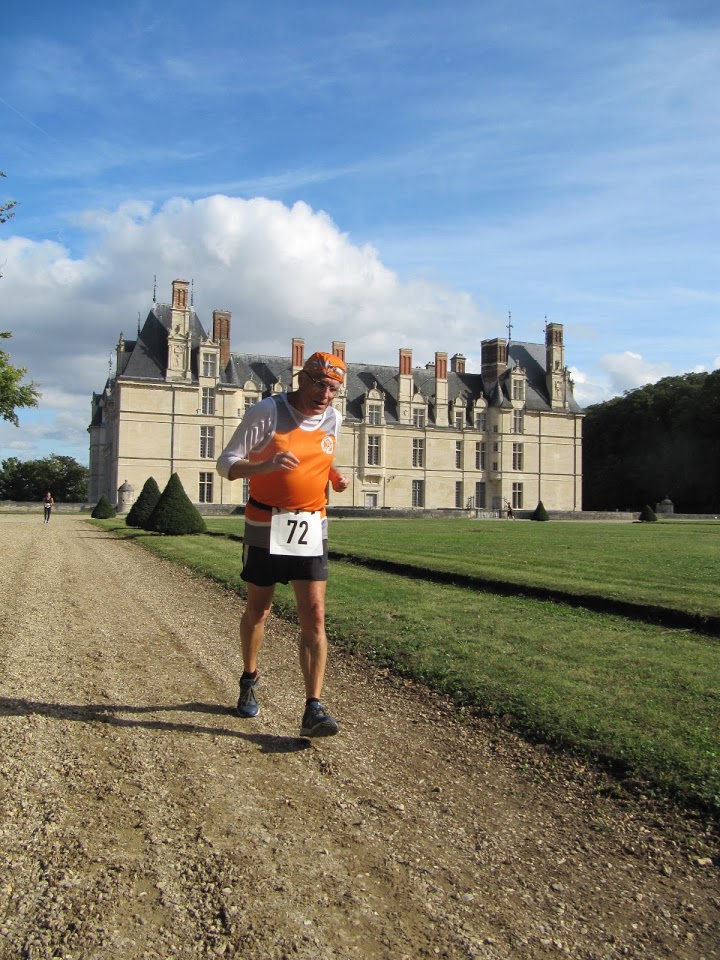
296, 533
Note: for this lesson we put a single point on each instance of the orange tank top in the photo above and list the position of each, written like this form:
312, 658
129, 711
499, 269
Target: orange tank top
305, 487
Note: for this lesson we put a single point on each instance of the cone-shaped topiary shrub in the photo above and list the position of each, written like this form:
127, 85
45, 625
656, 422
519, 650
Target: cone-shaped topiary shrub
144, 505
174, 513
104, 510
540, 513
647, 514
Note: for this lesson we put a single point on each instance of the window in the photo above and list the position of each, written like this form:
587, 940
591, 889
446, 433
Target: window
373, 451
480, 456
517, 496
249, 402
245, 489
371, 500
518, 389
209, 364
208, 401
518, 421
517, 456
496, 447
207, 442
480, 495
418, 417
458, 493
481, 421
459, 419
206, 488
418, 453
418, 493
373, 414
495, 466
458, 454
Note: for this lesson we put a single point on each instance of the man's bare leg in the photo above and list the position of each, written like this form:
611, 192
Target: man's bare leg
252, 624
252, 635
310, 599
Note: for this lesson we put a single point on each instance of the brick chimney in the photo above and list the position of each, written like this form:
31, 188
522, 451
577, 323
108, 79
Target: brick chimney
441, 390
494, 360
221, 335
338, 348
405, 385
180, 312
457, 363
298, 359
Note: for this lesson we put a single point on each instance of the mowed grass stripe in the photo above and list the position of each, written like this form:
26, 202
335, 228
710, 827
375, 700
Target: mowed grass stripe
642, 699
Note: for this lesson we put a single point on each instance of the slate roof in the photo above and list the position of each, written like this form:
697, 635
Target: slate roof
267, 371
147, 360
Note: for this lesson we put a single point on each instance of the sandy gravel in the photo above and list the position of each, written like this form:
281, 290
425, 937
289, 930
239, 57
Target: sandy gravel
140, 818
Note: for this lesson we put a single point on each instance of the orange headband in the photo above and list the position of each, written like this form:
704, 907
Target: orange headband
325, 365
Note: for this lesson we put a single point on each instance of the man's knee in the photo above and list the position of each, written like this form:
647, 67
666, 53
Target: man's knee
254, 616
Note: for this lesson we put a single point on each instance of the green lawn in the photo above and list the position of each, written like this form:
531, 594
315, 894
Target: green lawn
665, 564
643, 699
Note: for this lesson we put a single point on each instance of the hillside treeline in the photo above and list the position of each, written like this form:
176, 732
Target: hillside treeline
659, 440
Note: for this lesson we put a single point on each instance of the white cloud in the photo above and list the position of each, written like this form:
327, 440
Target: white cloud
628, 370
282, 271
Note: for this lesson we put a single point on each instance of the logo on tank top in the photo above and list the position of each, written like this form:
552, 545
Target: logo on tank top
328, 445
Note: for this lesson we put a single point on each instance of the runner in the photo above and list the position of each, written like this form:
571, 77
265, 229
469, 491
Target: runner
285, 445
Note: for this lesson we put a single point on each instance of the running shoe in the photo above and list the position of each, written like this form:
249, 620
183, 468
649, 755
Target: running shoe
317, 722
247, 704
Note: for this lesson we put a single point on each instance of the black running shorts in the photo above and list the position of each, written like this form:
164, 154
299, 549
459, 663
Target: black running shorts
265, 569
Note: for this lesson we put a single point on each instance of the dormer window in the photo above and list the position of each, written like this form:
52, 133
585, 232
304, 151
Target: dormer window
209, 364
374, 414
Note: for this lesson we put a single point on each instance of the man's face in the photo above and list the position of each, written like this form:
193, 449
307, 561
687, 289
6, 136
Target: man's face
315, 393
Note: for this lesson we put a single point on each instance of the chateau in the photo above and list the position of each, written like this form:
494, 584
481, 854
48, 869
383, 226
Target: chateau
432, 436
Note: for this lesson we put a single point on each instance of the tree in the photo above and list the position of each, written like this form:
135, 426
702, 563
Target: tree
103, 510
540, 513
6, 209
30, 480
647, 514
661, 439
14, 394
174, 513
144, 505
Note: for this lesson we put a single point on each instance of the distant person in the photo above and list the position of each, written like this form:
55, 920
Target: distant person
285, 444
48, 504
510, 514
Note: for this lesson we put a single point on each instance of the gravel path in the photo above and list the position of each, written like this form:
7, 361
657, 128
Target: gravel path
140, 818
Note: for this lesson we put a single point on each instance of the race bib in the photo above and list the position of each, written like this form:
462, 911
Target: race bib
296, 533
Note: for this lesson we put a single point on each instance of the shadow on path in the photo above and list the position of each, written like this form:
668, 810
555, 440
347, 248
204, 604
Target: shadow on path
110, 713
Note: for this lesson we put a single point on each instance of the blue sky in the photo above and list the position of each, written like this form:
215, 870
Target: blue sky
392, 174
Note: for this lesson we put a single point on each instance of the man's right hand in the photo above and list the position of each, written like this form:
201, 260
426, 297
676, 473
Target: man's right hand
285, 460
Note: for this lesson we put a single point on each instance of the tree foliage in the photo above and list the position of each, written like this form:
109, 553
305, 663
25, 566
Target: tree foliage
6, 209
13, 393
659, 440
103, 509
647, 514
30, 480
540, 513
174, 513
144, 505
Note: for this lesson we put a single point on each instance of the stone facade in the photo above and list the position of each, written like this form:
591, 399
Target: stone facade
432, 437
